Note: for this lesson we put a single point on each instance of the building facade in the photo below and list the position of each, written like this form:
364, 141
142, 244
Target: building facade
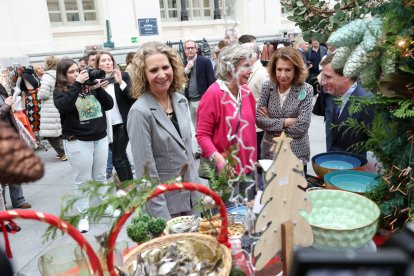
34, 28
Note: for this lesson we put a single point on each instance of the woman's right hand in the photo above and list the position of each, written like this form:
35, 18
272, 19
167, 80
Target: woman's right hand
82, 76
289, 122
220, 162
263, 111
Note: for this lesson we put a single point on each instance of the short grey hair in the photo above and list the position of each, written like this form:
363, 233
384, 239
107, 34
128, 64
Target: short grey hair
190, 40
253, 47
229, 58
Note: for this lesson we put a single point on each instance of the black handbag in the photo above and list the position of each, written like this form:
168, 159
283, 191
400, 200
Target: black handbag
320, 105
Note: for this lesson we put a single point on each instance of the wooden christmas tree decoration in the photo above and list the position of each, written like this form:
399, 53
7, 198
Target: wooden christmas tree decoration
282, 198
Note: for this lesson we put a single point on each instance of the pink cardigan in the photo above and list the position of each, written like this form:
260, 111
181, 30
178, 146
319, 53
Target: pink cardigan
212, 129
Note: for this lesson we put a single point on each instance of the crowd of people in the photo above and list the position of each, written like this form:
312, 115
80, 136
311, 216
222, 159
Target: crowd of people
89, 111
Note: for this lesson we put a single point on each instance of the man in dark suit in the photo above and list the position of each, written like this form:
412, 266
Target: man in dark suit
315, 54
338, 89
200, 76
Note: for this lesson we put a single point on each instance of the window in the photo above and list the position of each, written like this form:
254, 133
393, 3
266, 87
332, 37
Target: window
226, 7
169, 10
71, 12
197, 9
200, 9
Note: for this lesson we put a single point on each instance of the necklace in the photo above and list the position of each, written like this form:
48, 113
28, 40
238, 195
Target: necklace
169, 115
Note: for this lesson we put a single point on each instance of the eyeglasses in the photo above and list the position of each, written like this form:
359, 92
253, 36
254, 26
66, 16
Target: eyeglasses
326, 77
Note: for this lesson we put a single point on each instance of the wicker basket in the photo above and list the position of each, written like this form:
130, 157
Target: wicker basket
222, 241
173, 221
211, 242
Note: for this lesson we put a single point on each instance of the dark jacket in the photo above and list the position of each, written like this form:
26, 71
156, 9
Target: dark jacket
123, 97
336, 140
83, 117
6, 113
205, 75
322, 51
304, 55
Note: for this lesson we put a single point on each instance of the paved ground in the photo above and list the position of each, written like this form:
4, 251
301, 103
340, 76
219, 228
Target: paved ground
45, 195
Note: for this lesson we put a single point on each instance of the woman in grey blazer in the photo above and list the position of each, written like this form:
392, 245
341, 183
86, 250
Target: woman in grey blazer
159, 126
285, 104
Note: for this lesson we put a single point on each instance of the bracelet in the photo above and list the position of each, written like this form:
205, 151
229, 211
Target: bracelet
211, 158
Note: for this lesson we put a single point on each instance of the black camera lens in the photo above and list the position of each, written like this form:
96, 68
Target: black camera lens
96, 74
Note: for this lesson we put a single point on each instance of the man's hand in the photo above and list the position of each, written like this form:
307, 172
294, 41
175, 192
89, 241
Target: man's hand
189, 66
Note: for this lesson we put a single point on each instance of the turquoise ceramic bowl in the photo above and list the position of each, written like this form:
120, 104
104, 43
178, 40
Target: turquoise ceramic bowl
341, 219
238, 213
351, 181
326, 162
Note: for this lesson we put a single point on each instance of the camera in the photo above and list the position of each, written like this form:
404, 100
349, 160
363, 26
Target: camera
110, 80
93, 75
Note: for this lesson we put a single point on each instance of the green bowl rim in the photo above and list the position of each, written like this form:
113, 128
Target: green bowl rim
354, 194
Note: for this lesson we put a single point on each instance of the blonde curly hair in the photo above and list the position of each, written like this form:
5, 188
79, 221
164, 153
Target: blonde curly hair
139, 78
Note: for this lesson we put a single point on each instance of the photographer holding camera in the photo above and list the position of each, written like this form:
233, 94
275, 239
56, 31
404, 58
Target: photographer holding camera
119, 89
82, 112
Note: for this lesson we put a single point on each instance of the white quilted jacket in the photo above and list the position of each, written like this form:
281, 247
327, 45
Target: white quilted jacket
49, 116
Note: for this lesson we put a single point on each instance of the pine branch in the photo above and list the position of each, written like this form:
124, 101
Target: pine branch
135, 198
354, 126
406, 110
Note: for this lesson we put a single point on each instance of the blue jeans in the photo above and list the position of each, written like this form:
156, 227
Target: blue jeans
16, 195
88, 160
2, 205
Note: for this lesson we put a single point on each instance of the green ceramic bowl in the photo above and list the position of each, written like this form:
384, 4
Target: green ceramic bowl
341, 219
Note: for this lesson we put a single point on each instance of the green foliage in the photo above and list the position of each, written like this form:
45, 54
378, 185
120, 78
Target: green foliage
315, 22
138, 232
156, 226
141, 217
143, 227
134, 199
235, 271
405, 110
219, 182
